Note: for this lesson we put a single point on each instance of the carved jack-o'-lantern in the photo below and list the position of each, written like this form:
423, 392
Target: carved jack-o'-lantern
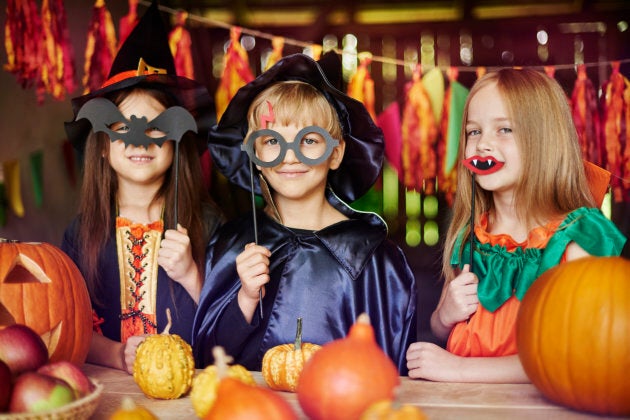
40, 286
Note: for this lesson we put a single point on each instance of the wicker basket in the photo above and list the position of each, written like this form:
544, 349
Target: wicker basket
80, 409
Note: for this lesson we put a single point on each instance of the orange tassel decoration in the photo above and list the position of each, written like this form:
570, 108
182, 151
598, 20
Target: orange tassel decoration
22, 41
236, 72
361, 85
57, 67
586, 117
180, 43
616, 112
128, 22
419, 136
100, 49
277, 45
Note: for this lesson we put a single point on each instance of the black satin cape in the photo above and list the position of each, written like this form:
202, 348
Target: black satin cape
327, 277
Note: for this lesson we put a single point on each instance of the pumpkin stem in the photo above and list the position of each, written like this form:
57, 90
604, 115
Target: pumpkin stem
221, 361
297, 345
169, 322
362, 329
127, 404
363, 319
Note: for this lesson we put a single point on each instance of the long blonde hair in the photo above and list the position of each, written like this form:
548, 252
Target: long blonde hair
553, 180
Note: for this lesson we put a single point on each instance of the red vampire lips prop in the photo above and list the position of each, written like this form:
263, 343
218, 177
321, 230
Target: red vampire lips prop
482, 165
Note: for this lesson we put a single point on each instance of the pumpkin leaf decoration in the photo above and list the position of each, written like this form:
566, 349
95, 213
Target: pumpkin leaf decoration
573, 334
237, 400
164, 365
283, 364
203, 393
338, 382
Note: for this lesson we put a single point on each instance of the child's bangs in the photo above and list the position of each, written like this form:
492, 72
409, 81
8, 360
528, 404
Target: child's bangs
296, 103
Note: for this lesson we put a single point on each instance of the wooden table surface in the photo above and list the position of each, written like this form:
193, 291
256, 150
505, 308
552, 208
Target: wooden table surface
437, 400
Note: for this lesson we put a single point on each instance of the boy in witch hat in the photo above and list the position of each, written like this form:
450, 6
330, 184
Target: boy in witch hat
144, 216
308, 149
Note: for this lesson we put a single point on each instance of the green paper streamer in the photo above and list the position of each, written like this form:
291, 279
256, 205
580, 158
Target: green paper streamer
459, 93
37, 159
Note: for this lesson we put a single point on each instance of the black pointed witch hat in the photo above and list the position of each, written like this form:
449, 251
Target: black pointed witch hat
145, 59
363, 157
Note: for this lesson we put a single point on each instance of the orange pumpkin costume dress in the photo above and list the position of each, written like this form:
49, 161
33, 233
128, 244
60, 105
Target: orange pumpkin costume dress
506, 269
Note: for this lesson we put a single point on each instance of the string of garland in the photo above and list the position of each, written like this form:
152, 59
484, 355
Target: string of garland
386, 60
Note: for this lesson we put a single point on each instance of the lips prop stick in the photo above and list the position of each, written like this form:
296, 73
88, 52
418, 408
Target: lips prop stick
482, 166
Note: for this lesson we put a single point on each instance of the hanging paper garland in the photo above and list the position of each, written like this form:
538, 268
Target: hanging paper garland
236, 72
361, 85
419, 135
180, 44
100, 49
586, 117
277, 45
23, 41
128, 22
389, 122
616, 133
448, 148
57, 66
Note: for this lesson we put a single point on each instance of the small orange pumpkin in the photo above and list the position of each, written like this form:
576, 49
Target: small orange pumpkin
283, 364
237, 400
392, 410
205, 383
41, 287
346, 376
573, 334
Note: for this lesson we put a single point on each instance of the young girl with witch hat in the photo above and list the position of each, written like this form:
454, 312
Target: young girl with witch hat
307, 254
533, 209
145, 217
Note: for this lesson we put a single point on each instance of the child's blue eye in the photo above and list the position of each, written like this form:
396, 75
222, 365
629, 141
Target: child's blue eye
506, 130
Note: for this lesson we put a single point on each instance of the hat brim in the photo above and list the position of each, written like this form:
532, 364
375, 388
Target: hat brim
363, 157
191, 95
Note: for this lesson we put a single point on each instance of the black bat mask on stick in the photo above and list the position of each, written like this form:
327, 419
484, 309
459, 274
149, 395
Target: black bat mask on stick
174, 122
102, 113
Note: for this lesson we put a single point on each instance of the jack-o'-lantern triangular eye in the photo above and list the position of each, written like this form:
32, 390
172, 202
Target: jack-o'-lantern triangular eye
42, 288
25, 270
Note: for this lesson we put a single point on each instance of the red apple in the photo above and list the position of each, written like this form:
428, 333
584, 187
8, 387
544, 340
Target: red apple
22, 349
5, 386
70, 373
34, 392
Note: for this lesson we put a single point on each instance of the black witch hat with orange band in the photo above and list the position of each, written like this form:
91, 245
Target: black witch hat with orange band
145, 60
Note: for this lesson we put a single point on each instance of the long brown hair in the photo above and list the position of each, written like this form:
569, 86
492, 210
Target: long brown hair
553, 180
99, 188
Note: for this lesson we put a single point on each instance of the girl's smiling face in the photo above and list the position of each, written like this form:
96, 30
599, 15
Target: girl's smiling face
491, 148
137, 164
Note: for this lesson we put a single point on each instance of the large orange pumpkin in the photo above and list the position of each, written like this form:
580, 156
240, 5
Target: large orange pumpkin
573, 334
40, 286
342, 379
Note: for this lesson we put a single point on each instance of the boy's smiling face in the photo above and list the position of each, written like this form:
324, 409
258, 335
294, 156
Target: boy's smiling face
291, 178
